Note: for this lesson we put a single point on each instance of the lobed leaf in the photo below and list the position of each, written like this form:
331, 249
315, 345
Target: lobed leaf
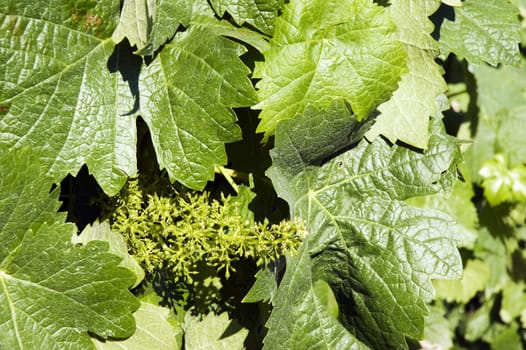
315, 135
57, 96
260, 14
135, 22
148, 24
377, 253
459, 205
300, 320
483, 31
204, 17
52, 293
405, 116
327, 50
68, 103
186, 97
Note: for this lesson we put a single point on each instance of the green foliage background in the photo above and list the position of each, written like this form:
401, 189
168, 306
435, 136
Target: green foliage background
303, 174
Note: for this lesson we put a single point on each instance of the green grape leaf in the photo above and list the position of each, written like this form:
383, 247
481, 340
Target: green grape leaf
58, 97
101, 231
405, 116
322, 133
136, 22
300, 320
72, 110
260, 14
500, 88
362, 238
204, 16
186, 95
214, 332
52, 293
484, 144
326, 50
458, 204
154, 331
150, 23
474, 278
483, 31
502, 100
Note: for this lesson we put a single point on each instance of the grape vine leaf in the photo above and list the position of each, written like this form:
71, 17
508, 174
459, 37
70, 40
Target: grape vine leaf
154, 331
58, 96
483, 31
405, 116
500, 88
52, 293
458, 204
325, 50
260, 14
377, 253
501, 100
135, 22
299, 319
204, 16
338, 127
186, 95
220, 333
478, 323
150, 23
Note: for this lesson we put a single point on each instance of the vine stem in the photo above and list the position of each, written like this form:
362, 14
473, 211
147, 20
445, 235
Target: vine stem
230, 175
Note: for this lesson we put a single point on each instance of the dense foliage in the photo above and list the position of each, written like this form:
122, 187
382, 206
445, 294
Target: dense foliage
303, 174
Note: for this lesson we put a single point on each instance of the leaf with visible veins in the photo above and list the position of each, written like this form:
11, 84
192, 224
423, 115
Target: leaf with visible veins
52, 292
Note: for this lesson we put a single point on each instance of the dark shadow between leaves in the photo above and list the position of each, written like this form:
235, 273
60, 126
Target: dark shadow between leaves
443, 12
410, 147
251, 156
383, 3
77, 195
124, 61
